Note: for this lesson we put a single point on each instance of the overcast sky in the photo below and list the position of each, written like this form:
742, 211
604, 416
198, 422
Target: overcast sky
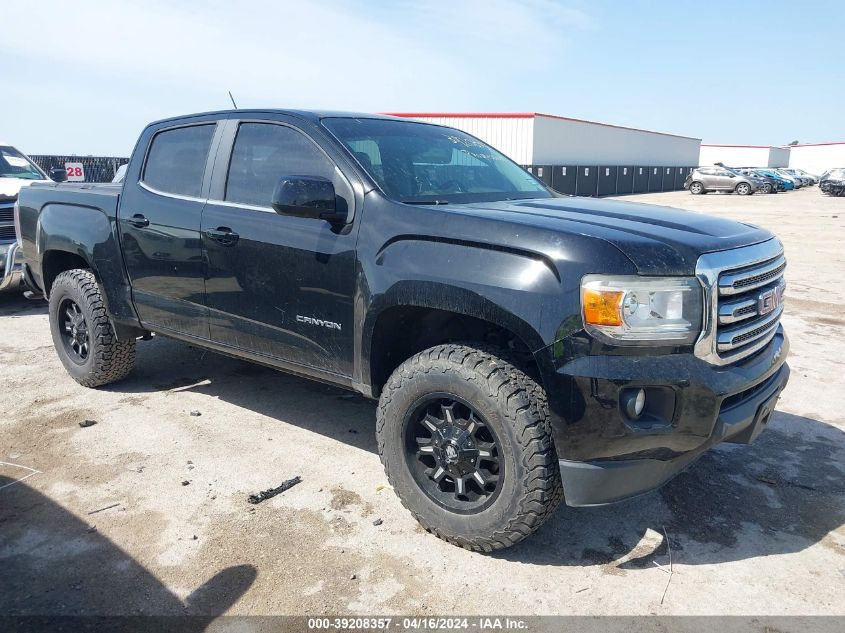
85, 77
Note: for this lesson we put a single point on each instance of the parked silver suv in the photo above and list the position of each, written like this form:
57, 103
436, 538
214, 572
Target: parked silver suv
714, 178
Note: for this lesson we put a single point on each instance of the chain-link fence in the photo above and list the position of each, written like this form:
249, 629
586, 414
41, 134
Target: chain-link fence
96, 168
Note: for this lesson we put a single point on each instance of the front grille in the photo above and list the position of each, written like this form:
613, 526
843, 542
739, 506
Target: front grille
7, 232
750, 304
7, 214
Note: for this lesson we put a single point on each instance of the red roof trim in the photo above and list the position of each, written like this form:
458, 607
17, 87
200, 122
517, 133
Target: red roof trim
524, 115
817, 144
774, 146
465, 115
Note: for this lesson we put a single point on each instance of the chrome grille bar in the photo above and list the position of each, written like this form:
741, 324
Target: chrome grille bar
730, 339
756, 277
737, 310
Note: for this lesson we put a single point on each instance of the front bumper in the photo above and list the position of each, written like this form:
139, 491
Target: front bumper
606, 457
10, 266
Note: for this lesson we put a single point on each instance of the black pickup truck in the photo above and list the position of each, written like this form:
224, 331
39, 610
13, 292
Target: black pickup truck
524, 347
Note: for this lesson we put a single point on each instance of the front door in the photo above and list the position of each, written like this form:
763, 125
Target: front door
725, 180
159, 220
277, 286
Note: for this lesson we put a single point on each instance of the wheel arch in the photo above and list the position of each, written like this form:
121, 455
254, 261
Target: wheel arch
400, 329
56, 261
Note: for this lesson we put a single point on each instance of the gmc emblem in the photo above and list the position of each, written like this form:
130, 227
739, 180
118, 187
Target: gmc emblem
769, 300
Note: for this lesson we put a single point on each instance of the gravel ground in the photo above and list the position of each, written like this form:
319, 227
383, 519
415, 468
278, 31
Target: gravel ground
146, 511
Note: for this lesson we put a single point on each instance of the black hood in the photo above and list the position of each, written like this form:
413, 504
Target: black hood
658, 240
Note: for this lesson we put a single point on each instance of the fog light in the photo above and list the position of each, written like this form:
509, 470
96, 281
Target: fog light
633, 401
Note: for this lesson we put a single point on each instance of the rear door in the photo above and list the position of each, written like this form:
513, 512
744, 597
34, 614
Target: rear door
159, 223
278, 287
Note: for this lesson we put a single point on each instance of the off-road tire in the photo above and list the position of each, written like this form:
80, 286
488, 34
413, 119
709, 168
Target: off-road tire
696, 188
109, 359
514, 405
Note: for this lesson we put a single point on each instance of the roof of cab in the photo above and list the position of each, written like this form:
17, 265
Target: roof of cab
311, 115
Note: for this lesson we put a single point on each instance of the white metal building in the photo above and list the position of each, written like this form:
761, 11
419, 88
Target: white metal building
531, 138
817, 158
744, 155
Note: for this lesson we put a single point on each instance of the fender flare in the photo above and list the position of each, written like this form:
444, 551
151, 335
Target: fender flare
86, 232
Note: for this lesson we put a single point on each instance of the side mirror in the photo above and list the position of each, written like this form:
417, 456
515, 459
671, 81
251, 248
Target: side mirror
58, 174
308, 197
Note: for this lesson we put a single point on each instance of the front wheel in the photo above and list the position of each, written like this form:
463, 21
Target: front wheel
743, 189
464, 438
82, 333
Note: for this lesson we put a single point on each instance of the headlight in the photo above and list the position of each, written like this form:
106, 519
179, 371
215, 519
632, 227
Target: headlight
634, 310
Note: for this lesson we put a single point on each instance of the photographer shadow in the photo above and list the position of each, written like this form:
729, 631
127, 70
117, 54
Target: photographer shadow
54, 564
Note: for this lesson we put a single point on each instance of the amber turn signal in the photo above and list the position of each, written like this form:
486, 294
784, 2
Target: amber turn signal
602, 307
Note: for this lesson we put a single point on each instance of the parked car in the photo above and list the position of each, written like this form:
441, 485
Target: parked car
524, 347
764, 183
17, 170
786, 183
714, 178
806, 181
833, 182
813, 179
798, 182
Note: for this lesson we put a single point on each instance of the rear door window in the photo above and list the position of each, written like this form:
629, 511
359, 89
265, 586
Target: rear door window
176, 160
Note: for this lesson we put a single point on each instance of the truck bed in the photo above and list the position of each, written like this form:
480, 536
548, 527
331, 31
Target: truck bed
103, 196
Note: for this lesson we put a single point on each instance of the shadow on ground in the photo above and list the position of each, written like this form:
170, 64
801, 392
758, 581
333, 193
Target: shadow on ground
338, 414
54, 564
14, 304
779, 495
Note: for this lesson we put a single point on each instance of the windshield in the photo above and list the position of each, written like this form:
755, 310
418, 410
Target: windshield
13, 164
421, 163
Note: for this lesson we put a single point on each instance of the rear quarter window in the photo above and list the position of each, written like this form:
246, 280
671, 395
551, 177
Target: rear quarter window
176, 160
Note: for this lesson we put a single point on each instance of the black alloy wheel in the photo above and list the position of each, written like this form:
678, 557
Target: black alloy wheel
452, 454
74, 331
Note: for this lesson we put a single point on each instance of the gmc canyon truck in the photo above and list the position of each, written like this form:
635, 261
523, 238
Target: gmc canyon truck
524, 347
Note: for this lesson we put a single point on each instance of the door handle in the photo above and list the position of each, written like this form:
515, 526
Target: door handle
139, 221
223, 235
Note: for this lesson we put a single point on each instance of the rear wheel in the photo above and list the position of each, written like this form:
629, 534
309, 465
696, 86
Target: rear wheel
464, 438
743, 189
82, 333
767, 188
696, 188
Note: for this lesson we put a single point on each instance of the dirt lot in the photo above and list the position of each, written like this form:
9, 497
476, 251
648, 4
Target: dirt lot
146, 511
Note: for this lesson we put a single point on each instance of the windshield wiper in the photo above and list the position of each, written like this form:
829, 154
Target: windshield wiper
431, 202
